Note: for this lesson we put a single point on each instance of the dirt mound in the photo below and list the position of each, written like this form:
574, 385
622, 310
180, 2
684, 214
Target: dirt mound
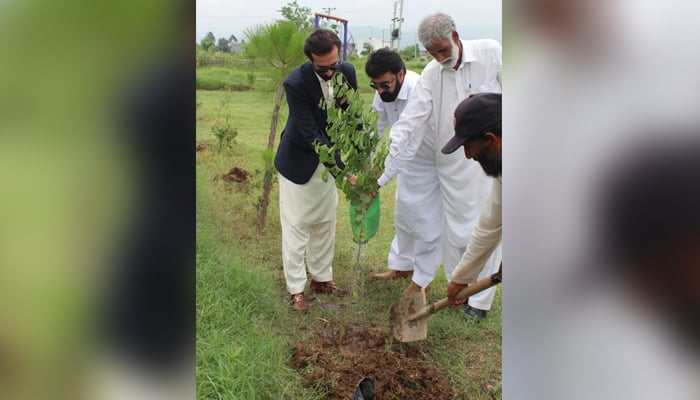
236, 175
336, 369
202, 146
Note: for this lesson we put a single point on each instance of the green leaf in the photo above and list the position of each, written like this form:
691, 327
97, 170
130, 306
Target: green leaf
353, 134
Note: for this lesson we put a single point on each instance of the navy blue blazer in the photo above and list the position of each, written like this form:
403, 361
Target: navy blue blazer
296, 158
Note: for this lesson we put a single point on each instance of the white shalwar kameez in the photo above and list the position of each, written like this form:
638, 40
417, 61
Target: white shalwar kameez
307, 216
445, 193
409, 183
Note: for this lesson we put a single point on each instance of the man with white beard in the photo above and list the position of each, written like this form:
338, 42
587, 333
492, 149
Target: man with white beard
441, 215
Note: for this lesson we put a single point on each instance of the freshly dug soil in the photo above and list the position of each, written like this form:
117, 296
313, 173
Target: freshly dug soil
236, 175
336, 369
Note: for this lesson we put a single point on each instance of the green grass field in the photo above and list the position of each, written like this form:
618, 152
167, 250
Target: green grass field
245, 327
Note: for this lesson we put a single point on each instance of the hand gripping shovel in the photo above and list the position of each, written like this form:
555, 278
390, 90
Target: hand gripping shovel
409, 315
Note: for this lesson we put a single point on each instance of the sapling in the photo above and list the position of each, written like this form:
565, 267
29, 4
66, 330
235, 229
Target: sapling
352, 131
352, 134
223, 128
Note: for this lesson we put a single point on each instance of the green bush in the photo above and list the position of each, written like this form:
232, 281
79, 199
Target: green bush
210, 84
216, 84
225, 133
223, 128
234, 76
416, 65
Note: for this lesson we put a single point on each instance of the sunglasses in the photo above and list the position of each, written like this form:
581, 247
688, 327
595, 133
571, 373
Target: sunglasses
323, 69
384, 85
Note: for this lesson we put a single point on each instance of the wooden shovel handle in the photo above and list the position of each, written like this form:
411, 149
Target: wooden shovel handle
477, 287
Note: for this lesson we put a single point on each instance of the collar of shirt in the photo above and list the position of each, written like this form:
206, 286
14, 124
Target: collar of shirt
326, 88
403, 93
467, 53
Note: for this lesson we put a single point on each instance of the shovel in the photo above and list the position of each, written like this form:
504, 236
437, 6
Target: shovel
409, 315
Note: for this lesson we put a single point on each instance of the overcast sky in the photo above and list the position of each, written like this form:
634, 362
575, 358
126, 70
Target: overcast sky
474, 18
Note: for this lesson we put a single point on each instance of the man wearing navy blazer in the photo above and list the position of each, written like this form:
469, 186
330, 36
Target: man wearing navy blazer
307, 203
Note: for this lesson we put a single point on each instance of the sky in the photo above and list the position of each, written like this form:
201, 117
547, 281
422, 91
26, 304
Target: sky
366, 18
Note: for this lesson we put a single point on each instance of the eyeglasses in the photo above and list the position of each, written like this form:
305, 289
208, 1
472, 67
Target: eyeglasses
325, 68
386, 85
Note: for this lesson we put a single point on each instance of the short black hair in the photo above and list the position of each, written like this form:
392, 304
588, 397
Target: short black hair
320, 42
383, 60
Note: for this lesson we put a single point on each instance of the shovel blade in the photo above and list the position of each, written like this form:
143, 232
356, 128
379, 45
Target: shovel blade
404, 328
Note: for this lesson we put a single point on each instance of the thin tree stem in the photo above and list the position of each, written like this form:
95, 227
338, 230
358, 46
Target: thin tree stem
356, 276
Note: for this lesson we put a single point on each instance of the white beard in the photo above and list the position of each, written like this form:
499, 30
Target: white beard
452, 60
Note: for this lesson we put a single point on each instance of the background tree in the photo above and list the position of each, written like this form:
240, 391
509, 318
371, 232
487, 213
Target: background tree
366, 49
299, 15
280, 47
232, 38
410, 52
223, 45
208, 42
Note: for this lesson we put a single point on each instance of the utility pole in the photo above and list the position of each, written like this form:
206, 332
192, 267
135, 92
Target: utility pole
393, 26
416, 47
398, 43
328, 10
394, 29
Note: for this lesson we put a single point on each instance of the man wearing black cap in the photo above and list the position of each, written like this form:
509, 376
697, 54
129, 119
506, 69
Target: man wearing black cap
478, 129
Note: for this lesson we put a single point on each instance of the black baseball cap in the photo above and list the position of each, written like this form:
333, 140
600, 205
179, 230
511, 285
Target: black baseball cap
473, 115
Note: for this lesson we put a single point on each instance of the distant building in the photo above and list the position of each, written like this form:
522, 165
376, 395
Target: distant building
374, 43
236, 47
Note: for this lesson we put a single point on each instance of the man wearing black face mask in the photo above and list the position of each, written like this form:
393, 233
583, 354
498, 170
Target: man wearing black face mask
307, 203
388, 76
394, 86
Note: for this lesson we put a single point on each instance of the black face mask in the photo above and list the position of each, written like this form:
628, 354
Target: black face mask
390, 97
327, 77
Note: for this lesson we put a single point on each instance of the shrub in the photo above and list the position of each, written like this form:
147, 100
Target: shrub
217, 84
352, 132
210, 84
225, 133
223, 128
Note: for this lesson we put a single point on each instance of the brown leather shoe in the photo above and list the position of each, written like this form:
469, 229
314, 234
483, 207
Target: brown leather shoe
327, 287
392, 274
299, 302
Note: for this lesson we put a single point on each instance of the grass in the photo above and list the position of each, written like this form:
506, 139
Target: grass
245, 327
226, 74
238, 354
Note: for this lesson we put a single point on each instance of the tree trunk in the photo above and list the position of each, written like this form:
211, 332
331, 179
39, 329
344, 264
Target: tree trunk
267, 181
